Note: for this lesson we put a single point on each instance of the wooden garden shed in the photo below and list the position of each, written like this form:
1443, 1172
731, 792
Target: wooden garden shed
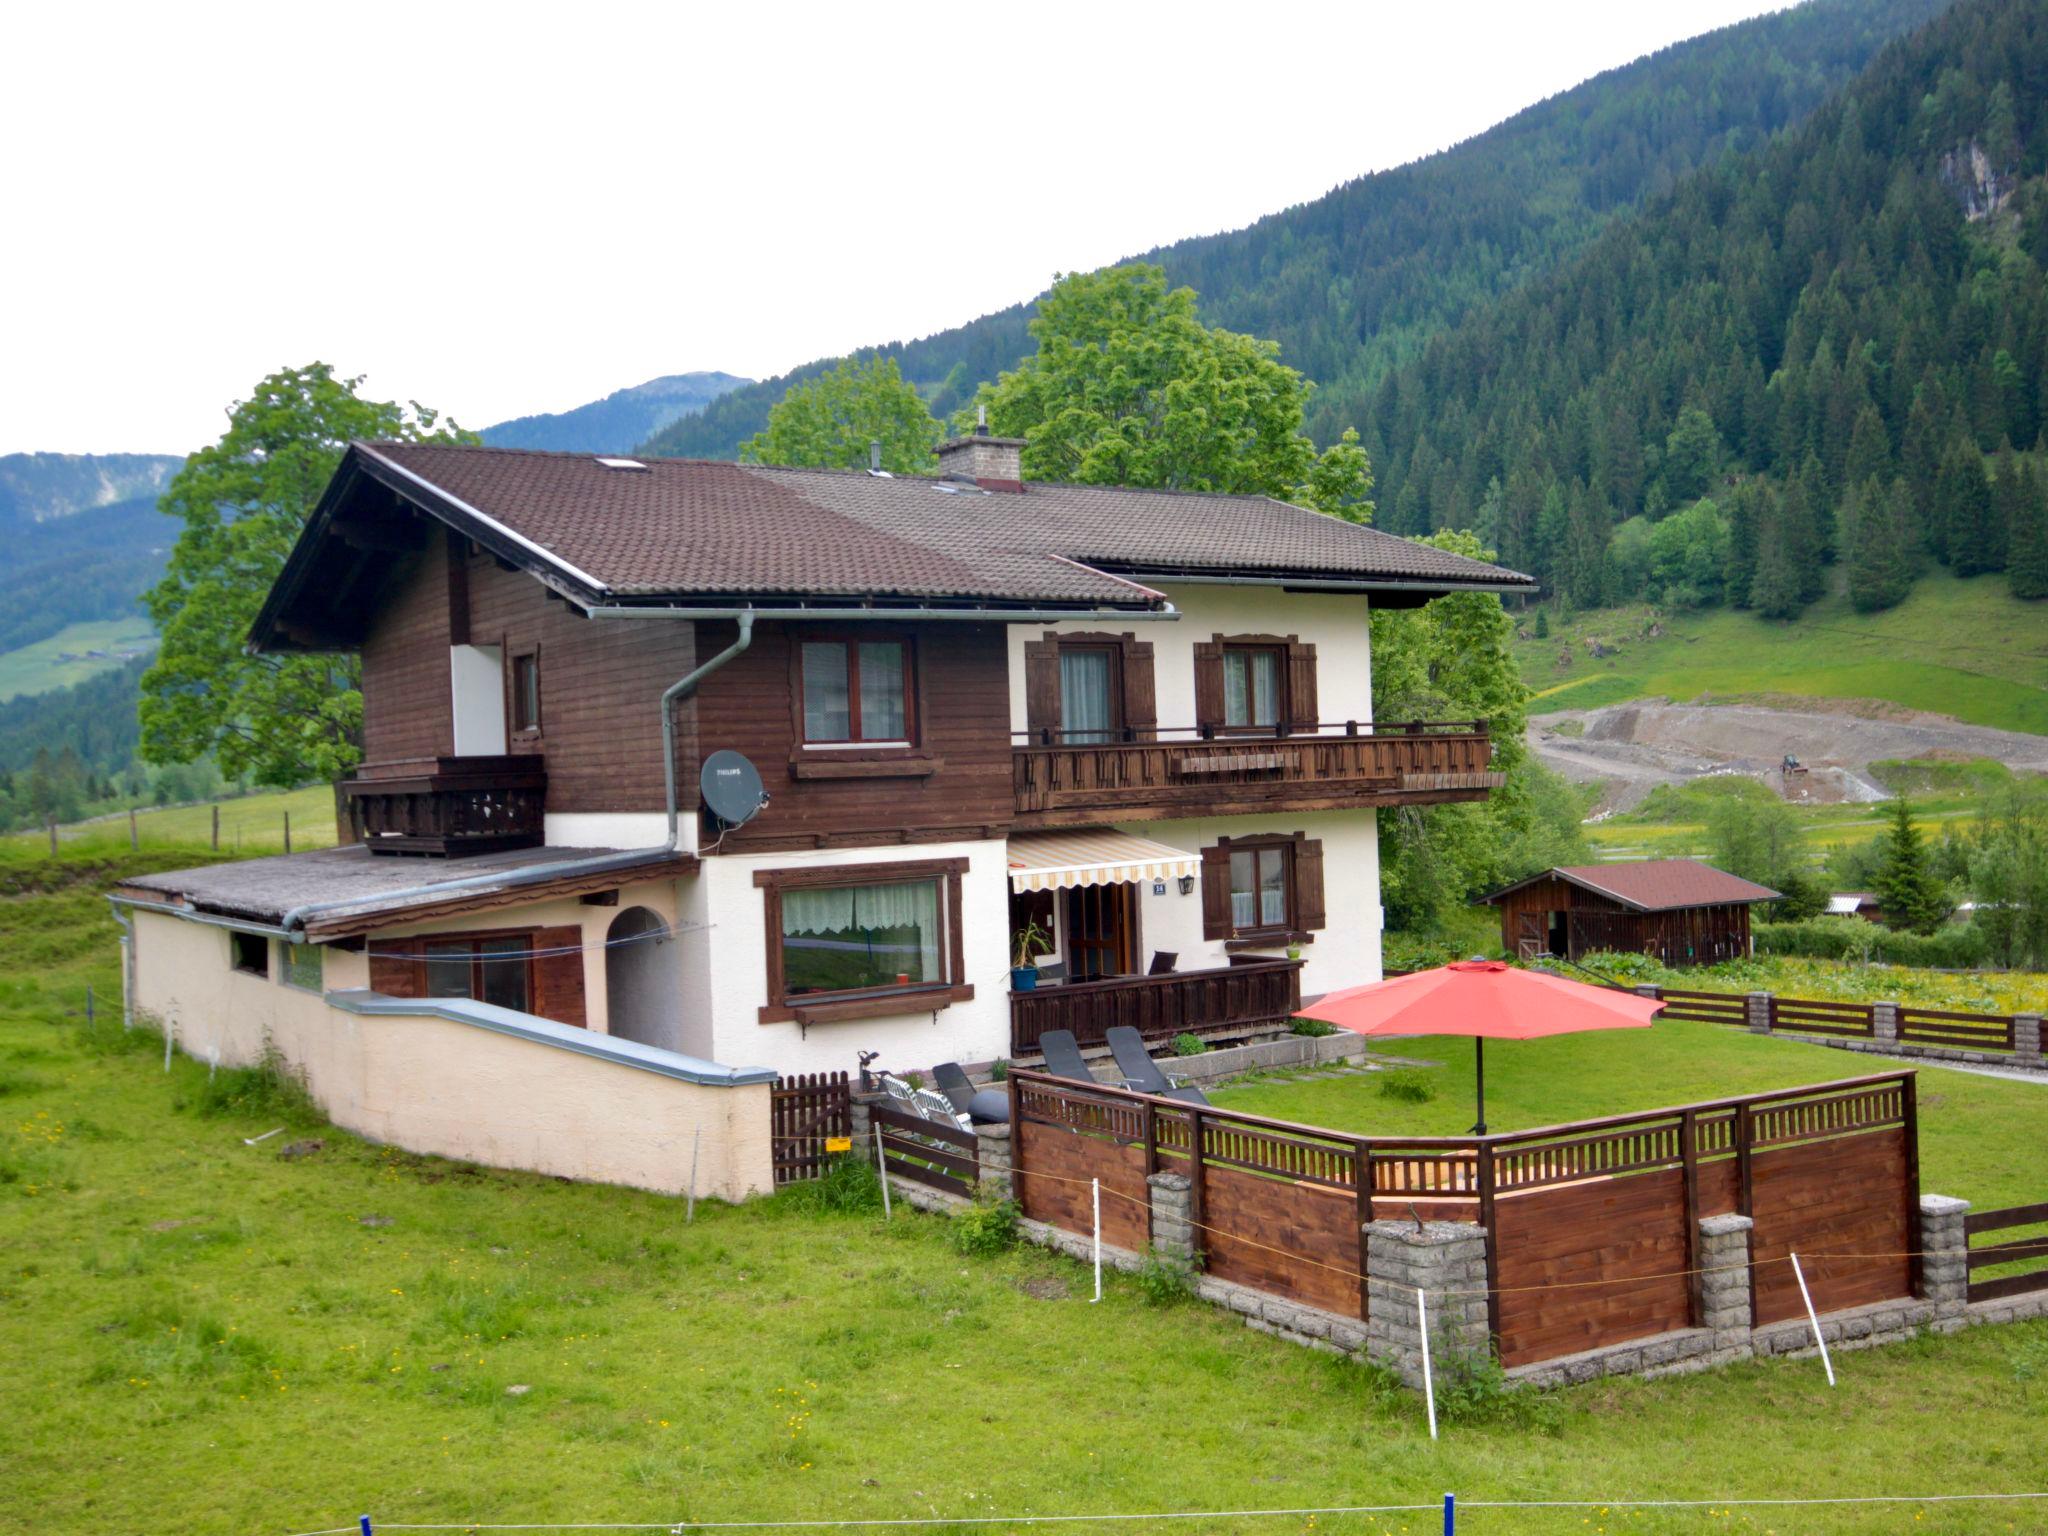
1678, 911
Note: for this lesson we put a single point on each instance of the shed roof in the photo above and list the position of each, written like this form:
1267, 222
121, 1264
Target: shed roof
1654, 885
693, 529
373, 888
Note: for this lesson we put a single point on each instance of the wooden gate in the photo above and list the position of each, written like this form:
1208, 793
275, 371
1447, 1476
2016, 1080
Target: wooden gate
804, 1113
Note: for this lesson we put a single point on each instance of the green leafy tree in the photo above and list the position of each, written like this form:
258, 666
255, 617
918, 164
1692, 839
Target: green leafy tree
829, 421
280, 720
2008, 874
1129, 387
1906, 886
1692, 455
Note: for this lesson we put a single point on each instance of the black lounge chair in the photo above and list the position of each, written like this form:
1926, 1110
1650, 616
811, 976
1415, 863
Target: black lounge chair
1062, 1055
952, 1080
1142, 1073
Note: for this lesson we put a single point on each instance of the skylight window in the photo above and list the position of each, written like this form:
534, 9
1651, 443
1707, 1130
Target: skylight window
621, 463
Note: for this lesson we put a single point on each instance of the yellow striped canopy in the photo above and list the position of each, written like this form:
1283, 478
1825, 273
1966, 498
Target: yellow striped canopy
1058, 861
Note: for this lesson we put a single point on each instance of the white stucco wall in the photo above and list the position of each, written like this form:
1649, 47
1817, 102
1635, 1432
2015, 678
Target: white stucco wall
976, 1030
1338, 625
438, 1086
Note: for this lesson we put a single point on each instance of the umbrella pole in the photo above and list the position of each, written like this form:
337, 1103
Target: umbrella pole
1479, 1066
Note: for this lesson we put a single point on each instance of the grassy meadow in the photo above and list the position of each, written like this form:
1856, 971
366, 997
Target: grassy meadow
201, 1335
249, 824
40, 667
1960, 647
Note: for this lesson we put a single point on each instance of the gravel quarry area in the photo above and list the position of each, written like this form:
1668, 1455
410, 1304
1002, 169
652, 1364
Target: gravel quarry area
1631, 748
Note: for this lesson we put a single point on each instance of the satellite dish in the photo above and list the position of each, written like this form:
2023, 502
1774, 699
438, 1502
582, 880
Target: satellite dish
732, 788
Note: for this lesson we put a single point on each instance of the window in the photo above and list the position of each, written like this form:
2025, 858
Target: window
851, 941
1088, 694
855, 691
491, 970
1251, 685
526, 692
1260, 887
852, 938
249, 953
301, 965
1262, 891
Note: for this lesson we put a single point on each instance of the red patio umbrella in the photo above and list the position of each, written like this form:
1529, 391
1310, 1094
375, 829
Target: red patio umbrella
1486, 999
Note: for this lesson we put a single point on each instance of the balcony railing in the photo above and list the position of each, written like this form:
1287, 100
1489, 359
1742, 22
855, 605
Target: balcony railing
445, 805
1259, 994
1070, 778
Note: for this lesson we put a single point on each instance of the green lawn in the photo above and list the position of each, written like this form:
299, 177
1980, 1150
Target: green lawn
201, 1336
38, 668
1965, 648
248, 824
1979, 1136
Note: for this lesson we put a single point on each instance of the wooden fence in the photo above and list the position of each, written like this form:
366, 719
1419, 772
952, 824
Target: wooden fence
1279, 1206
1259, 995
1942, 1029
2031, 1249
804, 1112
926, 1152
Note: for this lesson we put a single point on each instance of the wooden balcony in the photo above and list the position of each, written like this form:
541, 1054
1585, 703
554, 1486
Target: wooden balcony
1257, 995
1214, 772
445, 805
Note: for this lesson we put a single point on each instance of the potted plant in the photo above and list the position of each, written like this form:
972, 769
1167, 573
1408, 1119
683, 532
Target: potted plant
1028, 941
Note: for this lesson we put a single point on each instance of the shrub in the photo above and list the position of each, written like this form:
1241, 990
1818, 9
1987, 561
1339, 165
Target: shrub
1165, 1279
1472, 1388
1188, 1045
999, 1069
269, 1088
1315, 1029
985, 1228
1960, 946
1407, 1087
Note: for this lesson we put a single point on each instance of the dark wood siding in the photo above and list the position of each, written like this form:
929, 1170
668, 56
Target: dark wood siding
953, 782
407, 708
1688, 936
601, 682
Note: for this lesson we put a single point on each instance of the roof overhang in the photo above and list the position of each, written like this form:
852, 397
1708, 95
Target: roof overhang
1595, 888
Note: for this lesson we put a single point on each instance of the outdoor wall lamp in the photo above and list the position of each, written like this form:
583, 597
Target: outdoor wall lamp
1187, 885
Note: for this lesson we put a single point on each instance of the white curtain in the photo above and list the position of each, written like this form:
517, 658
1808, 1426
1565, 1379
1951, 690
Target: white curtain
857, 909
1084, 695
827, 715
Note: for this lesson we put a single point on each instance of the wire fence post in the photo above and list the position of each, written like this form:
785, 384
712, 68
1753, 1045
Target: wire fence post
1807, 1296
882, 1170
366, 1525
1450, 1514
1428, 1381
170, 1033
287, 831
690, 1214
134, 834
88, 1005
1095, 1199
216, 849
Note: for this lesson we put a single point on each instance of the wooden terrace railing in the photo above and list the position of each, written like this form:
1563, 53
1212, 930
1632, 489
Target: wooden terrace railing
1158, 1007
445, 805
1063, 778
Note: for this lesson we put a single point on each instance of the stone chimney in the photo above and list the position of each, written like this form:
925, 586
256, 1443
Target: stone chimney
993, 463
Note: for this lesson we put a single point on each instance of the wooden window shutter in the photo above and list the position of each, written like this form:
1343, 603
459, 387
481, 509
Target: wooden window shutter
398, 967
1216, 922
558, 978
1308, 883
1302, 709
1209, 682
1141, 706
1042, 687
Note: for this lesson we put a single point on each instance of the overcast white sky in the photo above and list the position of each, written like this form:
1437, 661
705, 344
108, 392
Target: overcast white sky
500, 209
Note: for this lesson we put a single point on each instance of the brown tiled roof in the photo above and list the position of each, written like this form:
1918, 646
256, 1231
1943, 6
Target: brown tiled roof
695, 527
1657, 885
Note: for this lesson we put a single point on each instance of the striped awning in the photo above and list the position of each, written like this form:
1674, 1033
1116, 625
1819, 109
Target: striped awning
1058, 861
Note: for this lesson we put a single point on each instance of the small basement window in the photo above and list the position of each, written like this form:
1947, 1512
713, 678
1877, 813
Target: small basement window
302, 966
249, 953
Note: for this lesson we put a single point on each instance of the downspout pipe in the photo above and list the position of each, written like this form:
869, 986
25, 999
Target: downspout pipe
294, 922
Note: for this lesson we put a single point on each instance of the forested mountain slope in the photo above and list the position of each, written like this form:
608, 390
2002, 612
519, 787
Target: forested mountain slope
620, 420
1826, 334
1356, 280
35, 487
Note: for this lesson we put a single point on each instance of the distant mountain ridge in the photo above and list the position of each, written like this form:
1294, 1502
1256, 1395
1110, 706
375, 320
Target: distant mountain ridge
35, 487
1359, 280
619, 422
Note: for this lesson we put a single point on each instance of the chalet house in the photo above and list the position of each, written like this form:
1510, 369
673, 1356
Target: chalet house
1678, 911
1141, 720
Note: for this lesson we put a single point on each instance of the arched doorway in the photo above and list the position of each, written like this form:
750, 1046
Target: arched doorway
643, 980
